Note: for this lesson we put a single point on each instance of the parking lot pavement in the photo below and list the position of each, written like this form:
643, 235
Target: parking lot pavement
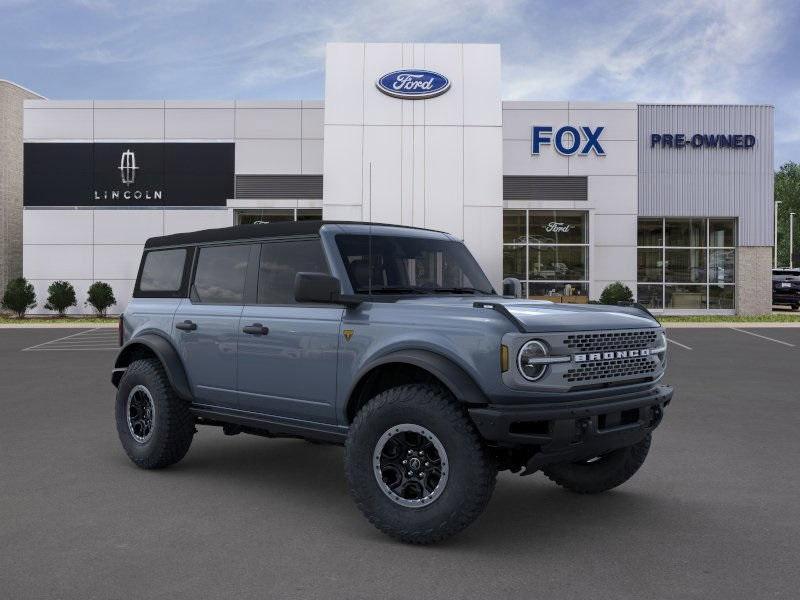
714, 512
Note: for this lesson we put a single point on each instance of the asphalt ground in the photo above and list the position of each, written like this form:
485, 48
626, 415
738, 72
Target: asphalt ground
713, 513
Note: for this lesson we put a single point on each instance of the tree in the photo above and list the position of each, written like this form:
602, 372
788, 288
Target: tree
60, 296
19, 297
787, 191
101, 297
616, 292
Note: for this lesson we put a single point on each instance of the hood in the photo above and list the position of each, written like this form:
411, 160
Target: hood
538, 316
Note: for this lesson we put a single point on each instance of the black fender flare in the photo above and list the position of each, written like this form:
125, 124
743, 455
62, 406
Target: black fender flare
165, 352
456, 379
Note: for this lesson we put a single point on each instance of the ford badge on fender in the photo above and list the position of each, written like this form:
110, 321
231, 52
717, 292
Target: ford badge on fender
413, 84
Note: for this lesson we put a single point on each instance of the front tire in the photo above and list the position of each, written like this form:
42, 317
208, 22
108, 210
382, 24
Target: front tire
601, 473
447, 478
153, 424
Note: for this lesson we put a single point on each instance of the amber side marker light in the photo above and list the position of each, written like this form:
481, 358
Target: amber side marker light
503, 358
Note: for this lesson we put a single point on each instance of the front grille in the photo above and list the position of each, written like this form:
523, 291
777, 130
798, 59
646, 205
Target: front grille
618, 368
616, 340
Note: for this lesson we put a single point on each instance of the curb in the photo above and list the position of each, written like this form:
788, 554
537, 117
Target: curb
59, 325
737, 324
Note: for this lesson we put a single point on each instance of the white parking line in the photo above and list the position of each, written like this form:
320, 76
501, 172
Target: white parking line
91, 339
684, 346
763, 337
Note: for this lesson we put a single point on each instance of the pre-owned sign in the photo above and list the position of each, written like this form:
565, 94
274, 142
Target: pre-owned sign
702, 140
128, 174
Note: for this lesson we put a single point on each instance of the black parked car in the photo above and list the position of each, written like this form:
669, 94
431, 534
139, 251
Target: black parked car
786, 287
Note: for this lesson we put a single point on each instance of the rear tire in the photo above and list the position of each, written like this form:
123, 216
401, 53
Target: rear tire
425, 426
602, 473
153, 424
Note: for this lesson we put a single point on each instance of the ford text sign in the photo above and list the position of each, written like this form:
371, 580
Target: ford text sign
568, 140
413, 84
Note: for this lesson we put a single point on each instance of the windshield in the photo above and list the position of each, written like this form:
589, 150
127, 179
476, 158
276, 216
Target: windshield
410, 265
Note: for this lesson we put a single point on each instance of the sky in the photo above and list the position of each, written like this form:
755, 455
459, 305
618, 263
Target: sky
712, 51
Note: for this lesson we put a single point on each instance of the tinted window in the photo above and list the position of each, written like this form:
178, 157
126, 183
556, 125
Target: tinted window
163, 270
220, 274
410, 265
280, 262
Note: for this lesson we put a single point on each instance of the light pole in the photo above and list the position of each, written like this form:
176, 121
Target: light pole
777, 204
791, 238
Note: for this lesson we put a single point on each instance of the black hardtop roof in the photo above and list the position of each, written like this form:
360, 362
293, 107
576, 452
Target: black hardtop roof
249, 232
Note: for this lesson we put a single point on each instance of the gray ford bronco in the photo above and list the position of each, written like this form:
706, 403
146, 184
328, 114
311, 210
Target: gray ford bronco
391, 341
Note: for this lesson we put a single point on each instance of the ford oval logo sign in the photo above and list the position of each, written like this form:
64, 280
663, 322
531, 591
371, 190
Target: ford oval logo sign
413, 84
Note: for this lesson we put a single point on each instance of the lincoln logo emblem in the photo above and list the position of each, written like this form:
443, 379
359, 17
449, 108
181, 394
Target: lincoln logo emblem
127, 167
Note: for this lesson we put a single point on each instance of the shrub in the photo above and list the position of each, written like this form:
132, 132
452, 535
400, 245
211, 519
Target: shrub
60, 296
616, 292
19, 296
101, 297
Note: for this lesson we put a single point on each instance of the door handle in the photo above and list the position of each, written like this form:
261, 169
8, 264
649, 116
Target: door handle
256, 329
186, 326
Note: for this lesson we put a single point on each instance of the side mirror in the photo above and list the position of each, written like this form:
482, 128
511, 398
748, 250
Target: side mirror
316, 287
512, 287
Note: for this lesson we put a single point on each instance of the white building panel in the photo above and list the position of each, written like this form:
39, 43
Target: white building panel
482, 84
614, 194
344, 84
117, 261
62, 261
343, 179
444, 179
617, 124
380, 109
313, 123
129, 124
75, 124
620, 159
57, 226
312, 157
179, 221
478, 220
267, 157
199, 123
483, 166
612, 263
615, 230
382, 152
517, 124
268, 123
127, 226
517, 160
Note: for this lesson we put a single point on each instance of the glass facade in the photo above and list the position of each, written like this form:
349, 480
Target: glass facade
275, 215
686, 264
548, 250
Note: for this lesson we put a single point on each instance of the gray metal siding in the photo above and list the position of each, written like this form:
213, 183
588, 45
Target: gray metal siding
303, 187
525, 187
709, 182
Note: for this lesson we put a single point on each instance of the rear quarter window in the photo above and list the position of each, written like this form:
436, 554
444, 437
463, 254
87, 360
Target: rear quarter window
162, 273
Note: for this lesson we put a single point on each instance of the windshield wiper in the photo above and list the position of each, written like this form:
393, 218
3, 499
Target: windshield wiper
390, 289
460, 290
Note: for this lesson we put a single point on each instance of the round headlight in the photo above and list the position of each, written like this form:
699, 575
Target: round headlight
528, 360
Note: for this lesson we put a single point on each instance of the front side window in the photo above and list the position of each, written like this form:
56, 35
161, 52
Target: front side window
548, 250
163, 270
281, 262
409, 265
220, 274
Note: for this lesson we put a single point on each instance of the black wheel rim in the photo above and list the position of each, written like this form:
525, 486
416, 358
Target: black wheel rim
410, 465
141, 412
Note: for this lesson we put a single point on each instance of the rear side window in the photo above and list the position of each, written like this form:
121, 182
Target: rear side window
163, 271
220, 274
280, 262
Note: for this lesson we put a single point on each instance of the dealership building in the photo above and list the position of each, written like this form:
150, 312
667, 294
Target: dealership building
674, 200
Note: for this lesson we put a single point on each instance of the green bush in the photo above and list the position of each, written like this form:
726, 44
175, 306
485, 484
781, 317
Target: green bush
616, 292
19, 297
101, 297
60, 296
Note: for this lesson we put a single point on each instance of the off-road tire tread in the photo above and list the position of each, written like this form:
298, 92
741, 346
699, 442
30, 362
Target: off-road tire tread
176, 436
485, 470
574, 477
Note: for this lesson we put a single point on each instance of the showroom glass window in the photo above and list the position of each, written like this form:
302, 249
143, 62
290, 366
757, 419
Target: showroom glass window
271, 215
687, 264
548, 250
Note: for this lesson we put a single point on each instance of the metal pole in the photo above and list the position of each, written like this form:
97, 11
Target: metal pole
777, 203
791, 239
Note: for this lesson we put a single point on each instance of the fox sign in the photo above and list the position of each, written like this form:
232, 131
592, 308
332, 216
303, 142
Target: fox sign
568, 140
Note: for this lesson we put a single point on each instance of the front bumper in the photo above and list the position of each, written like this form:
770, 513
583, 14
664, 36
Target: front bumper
559, 432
